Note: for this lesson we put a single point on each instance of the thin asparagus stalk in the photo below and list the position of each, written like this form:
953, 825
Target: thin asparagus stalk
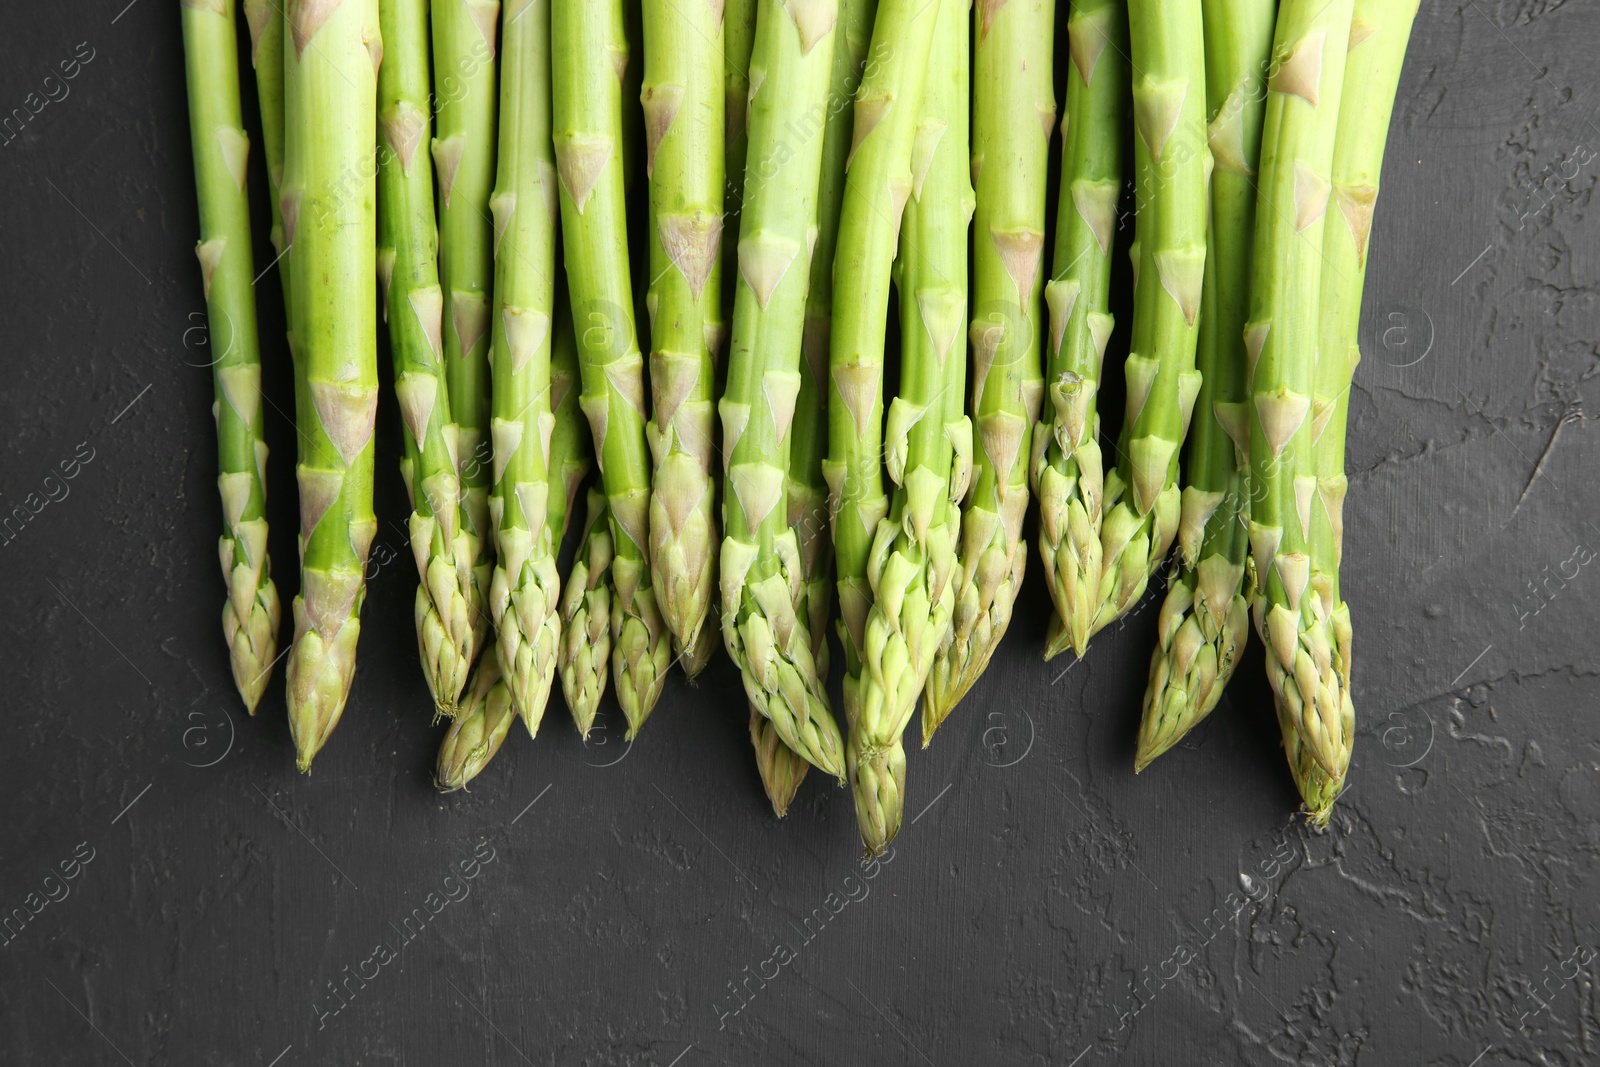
878, 180
328, 202
414, 306
1204, 619
1013, 113
808, 489
781, 769
251, 613
265, 19
1142, 498
760, 562
1379, 32
571, 453
1297, 147
466, 98
588, 51
683, 118
738, 38
1069, 473
525, 591
481, 725
929, 446
586, 611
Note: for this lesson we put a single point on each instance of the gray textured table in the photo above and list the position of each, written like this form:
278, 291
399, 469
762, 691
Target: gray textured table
616, 905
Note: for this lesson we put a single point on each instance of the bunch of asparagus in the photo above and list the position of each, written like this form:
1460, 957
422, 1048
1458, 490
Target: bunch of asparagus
808, 164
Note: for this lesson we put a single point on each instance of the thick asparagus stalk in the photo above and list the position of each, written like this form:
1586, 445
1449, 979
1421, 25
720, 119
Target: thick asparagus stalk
760, 561
781, 769
878, 181
929, 443
251, 613
1013, 113
465, 98
589, 49
1204, 618
331, 57
1300, 632
265, 19
683, 118
441, 538
481, 725
1379, 32
571, 452
525, 591
1069, 472
1142, 499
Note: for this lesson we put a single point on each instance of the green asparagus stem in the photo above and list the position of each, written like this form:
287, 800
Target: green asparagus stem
1069, 472
878, 180
251, 613
466, 97
1142, 498
1013, 113
485, 717
571, 452
760, 562
265, 18
683, 119
1379, 32
582, 654
588, 50
586, 611
525, 591
929, 442
441, 538
738, 38
1204, 621
328, 202
781, 769
1281, 339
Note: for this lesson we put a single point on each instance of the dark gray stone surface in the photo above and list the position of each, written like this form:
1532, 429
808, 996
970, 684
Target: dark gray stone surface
1042, 907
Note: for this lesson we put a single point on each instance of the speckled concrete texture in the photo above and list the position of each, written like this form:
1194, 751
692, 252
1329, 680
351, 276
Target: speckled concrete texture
173, 892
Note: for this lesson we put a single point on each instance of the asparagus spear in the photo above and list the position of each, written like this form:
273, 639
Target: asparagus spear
589, 50
760, 561
1204, 619
1013, 112
328, 203
251, 613
738, 38
526, 588
1379, 32
485, 717
1069, 472
586, 617
929, 446
1142, 499
1299, 631
570, 450
465, 99
683, 118
878, 180
582, 653
781, 769
808, 490
265, 19
414, 305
